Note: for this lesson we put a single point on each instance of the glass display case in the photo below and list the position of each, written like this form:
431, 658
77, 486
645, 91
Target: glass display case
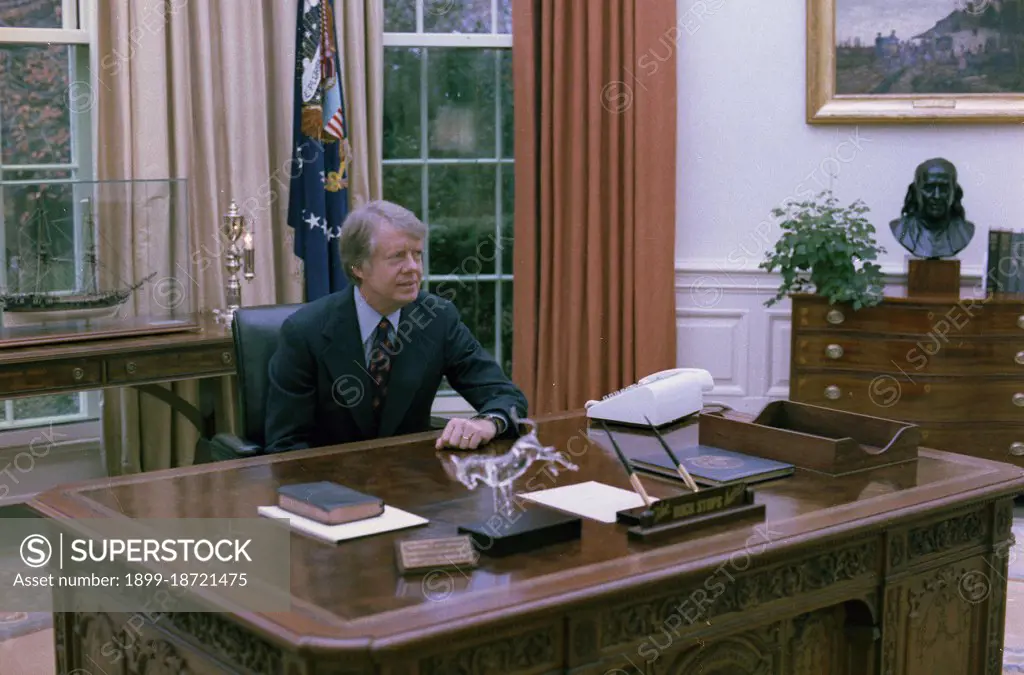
91, 259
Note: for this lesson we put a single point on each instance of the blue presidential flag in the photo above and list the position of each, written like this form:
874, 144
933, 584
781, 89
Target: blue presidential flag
318, 196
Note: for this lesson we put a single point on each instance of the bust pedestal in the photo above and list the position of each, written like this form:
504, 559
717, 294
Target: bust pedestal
933, 277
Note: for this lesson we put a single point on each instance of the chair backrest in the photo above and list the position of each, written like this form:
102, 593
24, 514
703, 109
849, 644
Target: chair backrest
255, 332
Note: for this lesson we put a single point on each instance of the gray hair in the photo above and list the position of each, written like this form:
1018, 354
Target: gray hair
358, 232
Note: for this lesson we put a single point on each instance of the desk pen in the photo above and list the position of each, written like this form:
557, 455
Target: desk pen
633, 478
680, 469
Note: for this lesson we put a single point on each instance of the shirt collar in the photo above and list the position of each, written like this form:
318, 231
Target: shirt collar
369, 317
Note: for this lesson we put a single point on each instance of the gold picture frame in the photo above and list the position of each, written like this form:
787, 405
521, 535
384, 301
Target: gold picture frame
843, 85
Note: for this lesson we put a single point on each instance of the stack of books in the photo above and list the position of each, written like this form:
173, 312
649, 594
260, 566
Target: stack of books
1004, 268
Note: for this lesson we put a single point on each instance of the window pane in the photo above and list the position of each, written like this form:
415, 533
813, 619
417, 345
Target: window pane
35, 123
39, 235
47, 406
506, 327
402, 123
475, 302
457, 16
399, 16
504, 16
403, 185
30, 13
462, 214
507, 104
461, 100
508, 202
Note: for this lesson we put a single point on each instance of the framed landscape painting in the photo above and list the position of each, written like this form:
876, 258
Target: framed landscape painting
915, 61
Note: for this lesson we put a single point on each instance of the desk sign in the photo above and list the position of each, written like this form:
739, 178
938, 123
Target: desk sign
444, 553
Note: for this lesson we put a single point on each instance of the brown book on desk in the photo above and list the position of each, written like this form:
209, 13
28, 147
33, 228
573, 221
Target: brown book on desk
328, 503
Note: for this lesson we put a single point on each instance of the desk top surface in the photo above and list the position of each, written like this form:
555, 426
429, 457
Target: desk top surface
350, 594
127, 336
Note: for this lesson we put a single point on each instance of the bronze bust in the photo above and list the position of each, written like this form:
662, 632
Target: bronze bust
933, 222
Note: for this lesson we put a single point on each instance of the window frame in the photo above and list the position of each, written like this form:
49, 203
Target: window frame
447, 400
78, 29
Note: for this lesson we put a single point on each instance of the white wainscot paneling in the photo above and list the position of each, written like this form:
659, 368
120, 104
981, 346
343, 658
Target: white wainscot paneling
778, 348
716, 340
720, 319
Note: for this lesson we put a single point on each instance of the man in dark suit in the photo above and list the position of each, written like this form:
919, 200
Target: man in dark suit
366, 362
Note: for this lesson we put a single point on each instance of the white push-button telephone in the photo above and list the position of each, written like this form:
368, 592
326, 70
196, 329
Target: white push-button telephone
662, 397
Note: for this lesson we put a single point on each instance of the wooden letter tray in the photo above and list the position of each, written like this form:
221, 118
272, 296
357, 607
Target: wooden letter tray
814, 437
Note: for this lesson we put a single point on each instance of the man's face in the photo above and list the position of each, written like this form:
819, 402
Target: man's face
391, 278
936, 192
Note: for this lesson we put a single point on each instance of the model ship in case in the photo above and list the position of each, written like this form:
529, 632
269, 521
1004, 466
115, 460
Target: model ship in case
89, 302
39, 269
86, 260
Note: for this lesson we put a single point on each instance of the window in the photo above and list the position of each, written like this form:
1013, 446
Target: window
448, 151
45, 135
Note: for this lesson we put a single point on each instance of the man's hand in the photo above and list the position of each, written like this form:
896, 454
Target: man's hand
467, 434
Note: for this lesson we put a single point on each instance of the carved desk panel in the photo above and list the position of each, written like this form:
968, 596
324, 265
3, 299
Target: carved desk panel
890, 571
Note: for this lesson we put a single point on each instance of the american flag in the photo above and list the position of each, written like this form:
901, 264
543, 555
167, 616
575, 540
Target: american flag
318, 197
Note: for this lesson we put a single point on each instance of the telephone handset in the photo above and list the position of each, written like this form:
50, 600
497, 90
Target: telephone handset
663, 397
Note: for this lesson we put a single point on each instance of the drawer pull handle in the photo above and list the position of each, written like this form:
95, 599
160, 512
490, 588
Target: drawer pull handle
836, 317
1019, 358
1017, 449
1018, 399
836, 351
832, 392
78, 374
131, 367
1020, 321
225, 358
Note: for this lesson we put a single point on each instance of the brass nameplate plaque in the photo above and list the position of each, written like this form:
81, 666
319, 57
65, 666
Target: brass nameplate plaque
698, 503
424, 555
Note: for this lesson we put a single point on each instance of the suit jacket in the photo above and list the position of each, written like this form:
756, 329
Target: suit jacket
320, 390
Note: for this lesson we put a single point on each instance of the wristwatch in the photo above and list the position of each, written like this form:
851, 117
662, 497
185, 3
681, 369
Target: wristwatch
500, 421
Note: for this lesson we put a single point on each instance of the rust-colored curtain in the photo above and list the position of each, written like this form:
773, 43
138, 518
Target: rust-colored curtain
595, 186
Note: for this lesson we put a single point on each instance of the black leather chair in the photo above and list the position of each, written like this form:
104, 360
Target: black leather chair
255, 333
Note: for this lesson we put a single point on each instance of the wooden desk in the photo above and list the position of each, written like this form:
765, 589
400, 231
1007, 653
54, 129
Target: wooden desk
896, 570
139, 362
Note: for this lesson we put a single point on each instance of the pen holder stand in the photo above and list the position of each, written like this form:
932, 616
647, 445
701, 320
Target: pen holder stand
690, 512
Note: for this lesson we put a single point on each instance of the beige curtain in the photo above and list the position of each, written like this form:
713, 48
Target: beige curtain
360, 30
201, 91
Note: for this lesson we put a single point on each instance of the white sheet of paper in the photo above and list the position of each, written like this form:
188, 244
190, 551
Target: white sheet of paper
391, 519
588, 500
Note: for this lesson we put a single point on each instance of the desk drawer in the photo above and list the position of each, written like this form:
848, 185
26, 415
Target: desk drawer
24, 378
915, 398
929, 354
162, 365
967, 316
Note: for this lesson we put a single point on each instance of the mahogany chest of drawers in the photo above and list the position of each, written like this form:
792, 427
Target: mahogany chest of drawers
954, 366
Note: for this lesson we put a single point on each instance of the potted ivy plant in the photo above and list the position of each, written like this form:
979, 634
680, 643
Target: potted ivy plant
827, 249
